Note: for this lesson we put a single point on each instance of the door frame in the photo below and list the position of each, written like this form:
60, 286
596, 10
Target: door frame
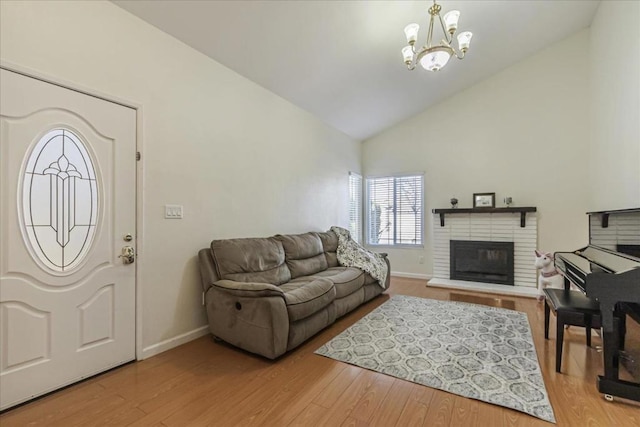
66, 84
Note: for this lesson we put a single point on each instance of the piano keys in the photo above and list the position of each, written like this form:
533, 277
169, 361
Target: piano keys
612, 278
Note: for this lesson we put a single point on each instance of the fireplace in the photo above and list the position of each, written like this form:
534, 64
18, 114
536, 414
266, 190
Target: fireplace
499, 225
480, 261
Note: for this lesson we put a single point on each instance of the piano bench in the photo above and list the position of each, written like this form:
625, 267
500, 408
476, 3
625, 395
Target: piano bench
571, 308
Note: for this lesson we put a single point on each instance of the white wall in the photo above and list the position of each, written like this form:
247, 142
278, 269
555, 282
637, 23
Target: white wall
521, 133
241, 160
615, 87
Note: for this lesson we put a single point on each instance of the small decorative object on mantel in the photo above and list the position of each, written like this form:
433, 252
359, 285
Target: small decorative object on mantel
454, 202
508, 201
484, 200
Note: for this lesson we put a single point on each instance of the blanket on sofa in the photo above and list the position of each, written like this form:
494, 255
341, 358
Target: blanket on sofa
351, 254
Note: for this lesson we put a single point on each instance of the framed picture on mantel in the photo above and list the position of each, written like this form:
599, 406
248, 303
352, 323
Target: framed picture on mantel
484, 200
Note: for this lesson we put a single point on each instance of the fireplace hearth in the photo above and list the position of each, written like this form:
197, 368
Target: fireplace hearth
482, 261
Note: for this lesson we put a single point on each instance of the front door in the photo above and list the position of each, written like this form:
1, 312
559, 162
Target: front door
68, 191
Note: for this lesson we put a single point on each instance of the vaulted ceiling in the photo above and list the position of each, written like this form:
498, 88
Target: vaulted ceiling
341, 61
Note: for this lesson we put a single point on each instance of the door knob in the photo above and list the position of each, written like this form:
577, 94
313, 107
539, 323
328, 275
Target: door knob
128, 255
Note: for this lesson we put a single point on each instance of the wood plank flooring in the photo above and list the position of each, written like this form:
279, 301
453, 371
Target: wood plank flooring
206, 383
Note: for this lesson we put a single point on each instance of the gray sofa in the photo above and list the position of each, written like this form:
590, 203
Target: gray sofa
268, 295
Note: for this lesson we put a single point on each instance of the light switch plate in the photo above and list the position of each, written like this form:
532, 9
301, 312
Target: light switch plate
173, 211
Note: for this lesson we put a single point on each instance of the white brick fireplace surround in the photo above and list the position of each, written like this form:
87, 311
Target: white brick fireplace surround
494, 226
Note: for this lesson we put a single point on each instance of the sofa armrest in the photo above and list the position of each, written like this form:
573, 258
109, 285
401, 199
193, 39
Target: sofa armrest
387, 283
237, 315
207, 269
248, 289
383, 254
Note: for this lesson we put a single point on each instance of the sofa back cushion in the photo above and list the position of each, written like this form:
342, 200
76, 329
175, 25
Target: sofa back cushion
259, 260
330, 246
304, 253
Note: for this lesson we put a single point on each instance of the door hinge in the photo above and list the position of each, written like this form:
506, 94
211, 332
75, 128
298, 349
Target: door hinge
138, 156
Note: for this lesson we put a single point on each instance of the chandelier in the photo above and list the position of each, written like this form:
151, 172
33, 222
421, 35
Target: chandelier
434, 57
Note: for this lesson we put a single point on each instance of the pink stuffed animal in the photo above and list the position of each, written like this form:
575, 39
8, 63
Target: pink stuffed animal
549, 276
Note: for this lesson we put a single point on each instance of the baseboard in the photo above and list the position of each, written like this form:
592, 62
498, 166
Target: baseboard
165, 345
410, 275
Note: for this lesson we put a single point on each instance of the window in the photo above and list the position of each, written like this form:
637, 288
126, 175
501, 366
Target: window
355, 206
394, 210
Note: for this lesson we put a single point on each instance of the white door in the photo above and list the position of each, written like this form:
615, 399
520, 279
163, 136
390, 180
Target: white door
68, 190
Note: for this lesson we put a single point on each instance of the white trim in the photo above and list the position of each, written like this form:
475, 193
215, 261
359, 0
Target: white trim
484, 287
39, 75
140, 195
358, 208
165, 345
395, 175
410, 275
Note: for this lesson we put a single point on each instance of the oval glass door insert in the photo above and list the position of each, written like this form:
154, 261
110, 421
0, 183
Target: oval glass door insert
60, 200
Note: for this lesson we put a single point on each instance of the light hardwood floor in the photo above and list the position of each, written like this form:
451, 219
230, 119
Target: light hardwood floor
207, 383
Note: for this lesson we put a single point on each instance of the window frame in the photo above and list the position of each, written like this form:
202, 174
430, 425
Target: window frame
359, 237
367, 212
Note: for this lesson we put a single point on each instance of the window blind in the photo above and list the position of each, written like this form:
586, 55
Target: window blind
395, 210
355, 206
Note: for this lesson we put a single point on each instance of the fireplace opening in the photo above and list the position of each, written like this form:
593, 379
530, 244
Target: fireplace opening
488, 262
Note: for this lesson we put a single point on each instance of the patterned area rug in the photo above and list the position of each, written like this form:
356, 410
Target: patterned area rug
475, 351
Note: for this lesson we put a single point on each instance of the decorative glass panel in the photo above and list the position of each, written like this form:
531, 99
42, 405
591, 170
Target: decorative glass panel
60, 200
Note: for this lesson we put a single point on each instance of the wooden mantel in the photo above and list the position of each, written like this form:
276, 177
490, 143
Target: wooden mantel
522, 211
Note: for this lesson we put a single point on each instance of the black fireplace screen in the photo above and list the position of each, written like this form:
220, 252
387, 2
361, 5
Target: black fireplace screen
488, 262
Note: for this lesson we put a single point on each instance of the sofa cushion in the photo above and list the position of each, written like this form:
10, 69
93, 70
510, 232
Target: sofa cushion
330, 246
304, 298
250, 260
347, 280
304, 254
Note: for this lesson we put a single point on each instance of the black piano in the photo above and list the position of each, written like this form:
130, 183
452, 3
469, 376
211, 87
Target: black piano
613, 278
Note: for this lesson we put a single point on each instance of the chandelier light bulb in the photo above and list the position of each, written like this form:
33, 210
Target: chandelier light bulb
463, 40
411, 31
407, 54
451, 20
